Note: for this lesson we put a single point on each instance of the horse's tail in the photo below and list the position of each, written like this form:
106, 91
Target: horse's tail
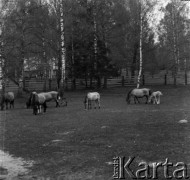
128, 95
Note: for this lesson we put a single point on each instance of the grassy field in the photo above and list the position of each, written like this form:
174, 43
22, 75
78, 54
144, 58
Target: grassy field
74, 144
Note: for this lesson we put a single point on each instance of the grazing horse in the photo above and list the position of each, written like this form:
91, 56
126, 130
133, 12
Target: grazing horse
38, 100
28, 102
138, 93
7, 98
52, 95
155, 97
92, 96
49, 96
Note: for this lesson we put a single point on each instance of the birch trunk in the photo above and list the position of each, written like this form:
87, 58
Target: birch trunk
2, 66
73, 63
174, 46
140, 49
62, 43
44, 62
95, 45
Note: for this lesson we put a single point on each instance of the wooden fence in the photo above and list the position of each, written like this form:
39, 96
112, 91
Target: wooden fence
39, 85
42, 85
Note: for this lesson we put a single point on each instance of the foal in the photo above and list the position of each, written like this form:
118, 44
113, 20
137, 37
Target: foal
155, 97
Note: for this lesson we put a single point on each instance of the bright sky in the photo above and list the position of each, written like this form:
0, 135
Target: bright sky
158, 15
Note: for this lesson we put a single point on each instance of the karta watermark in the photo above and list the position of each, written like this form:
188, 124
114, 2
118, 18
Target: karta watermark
125, 168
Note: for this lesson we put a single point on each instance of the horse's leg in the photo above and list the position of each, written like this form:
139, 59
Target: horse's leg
95, 103
138, 100
87, 104
2, 105
6, 104
35, 109
134, 97
99, 103
146, 99
40, 108
45, 106
158, 100
154, 101
57, 103
128, 100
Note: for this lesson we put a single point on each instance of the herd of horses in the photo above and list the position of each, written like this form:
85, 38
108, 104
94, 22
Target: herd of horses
38, 100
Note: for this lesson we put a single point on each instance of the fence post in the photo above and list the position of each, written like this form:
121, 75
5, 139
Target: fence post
185, 78
123, 81
50, 80
66, 84
165, 79
105, 82
175, 79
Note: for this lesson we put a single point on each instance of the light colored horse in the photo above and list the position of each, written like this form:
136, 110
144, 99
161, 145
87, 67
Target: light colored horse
155, 97
49, 96
138, 93
8, 97
92, 96
52, 95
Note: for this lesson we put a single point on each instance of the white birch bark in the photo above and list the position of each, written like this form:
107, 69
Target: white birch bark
62, 44
95, 38
140, 49
174, 45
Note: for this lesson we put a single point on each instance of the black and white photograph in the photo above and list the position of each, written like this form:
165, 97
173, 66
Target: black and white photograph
94, 89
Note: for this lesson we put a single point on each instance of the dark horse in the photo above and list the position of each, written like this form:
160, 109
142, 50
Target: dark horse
8, 97
49, 96
38, 100
138, 93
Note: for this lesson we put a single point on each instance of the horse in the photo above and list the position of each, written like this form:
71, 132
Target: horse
38, 100
28, 102
92, 96
49, 96
8, 97
155, 97
52, 95
138, 93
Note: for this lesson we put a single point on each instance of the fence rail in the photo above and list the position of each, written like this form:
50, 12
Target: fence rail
35, 84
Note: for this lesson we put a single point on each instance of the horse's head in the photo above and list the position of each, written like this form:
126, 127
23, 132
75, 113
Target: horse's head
28, 102
160, 93
34, 98
128, 96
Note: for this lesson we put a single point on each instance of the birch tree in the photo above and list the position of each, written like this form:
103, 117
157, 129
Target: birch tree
145, 9
173, 34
